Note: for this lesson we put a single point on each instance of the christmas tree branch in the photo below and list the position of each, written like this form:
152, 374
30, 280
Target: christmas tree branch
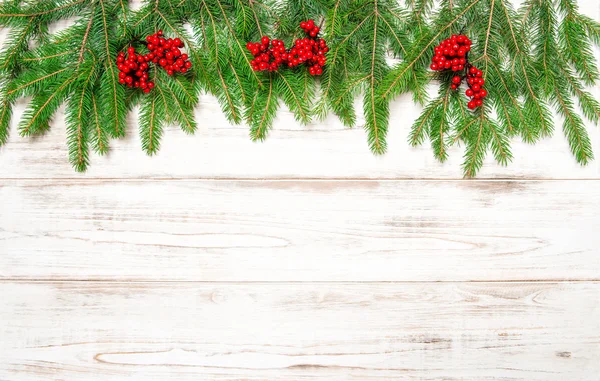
534, 60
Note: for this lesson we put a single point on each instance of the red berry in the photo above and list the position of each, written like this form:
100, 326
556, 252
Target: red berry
479, 102
476, 87
471, 105
483, 93
456, 79
469, 92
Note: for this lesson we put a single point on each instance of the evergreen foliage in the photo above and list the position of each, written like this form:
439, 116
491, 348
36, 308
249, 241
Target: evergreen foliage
536, 60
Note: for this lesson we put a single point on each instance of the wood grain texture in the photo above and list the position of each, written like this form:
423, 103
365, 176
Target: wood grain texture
215, 230
321, 150
301, 258
184, 331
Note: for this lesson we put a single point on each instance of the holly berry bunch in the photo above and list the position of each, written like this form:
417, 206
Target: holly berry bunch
310, 28
167, 53
475, 91
133, 70
134, 67
451, 54
309, 51
265, 57
270, 55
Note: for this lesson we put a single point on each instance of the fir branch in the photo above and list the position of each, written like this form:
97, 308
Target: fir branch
101, 133
224, 94
396, 77
50, 9
183, 102
78, 121
290, 89
5, 116
112, 104
476, 147
262, 122
533, 58
42, 108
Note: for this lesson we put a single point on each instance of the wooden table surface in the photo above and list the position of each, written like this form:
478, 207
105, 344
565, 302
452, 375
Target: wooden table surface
301, 258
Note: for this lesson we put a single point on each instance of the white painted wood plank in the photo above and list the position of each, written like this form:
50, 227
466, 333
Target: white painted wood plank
321, 150
172, 331
216, 230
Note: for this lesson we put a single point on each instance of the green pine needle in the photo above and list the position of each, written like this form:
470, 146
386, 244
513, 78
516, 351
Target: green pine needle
536, 60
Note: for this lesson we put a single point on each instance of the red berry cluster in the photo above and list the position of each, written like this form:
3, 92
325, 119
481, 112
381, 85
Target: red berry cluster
310, 28
134, 70
266, 58
310, 51
451, 54
475, 91
167, 53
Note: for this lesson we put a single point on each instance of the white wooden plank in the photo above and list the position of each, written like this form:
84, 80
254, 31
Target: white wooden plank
186, 331
321, 150
217, 230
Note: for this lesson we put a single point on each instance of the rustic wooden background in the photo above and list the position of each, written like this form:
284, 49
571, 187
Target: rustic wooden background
301, 258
